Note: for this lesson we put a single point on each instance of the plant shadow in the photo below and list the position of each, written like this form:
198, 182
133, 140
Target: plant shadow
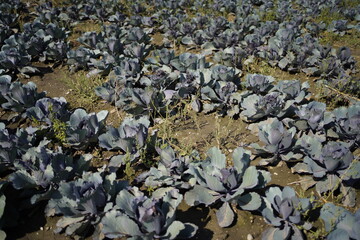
200, 217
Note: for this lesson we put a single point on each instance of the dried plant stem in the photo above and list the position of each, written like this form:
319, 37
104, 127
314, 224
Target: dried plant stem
346, 96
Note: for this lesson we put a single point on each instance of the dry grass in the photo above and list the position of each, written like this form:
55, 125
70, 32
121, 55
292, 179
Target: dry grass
82, 27
350, 39
82, 88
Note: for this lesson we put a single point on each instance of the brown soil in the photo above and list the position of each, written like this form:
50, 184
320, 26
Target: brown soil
205, 218
205, 131
52, 83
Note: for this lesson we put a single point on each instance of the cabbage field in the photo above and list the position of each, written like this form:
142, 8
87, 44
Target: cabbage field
180, 119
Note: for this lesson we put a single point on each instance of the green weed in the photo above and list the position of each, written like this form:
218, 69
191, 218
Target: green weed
82, 89
317, 234
350, 39
349, 3
327, 16
129, 169
82, 27
87, 26
59, 3
269, 16
59, 128
260, 66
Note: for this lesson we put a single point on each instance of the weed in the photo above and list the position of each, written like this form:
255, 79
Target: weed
146, 156
318, 231
181, 112
349, 3
260, 66
129, 169
333, 97
59, 3
35, 122
59, 128
166, 126
350, 39
82, 27
269, 16
87, 26
82, 89
222, 133
150, 189
317, 234
327, 16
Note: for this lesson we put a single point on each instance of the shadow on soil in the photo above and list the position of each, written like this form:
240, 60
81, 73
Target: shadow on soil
198, 216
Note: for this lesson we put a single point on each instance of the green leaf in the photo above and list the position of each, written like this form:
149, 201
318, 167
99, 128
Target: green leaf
124, 202
187, 40
338, 234
336, 217
330, 182
307, 182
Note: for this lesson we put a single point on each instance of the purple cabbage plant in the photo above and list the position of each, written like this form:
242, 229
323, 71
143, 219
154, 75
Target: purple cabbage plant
347, 123
283, 209
46, 110
41, 170
83, 202
258, 84
131, 138
83, 129
16, 96
171, 170
14, 146
331, 165
256, 107
313, 118
340, 223
139, 217
279, 143
216, 183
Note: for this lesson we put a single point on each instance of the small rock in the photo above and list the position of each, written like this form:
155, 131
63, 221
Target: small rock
41, 228
249, 237
158, 120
